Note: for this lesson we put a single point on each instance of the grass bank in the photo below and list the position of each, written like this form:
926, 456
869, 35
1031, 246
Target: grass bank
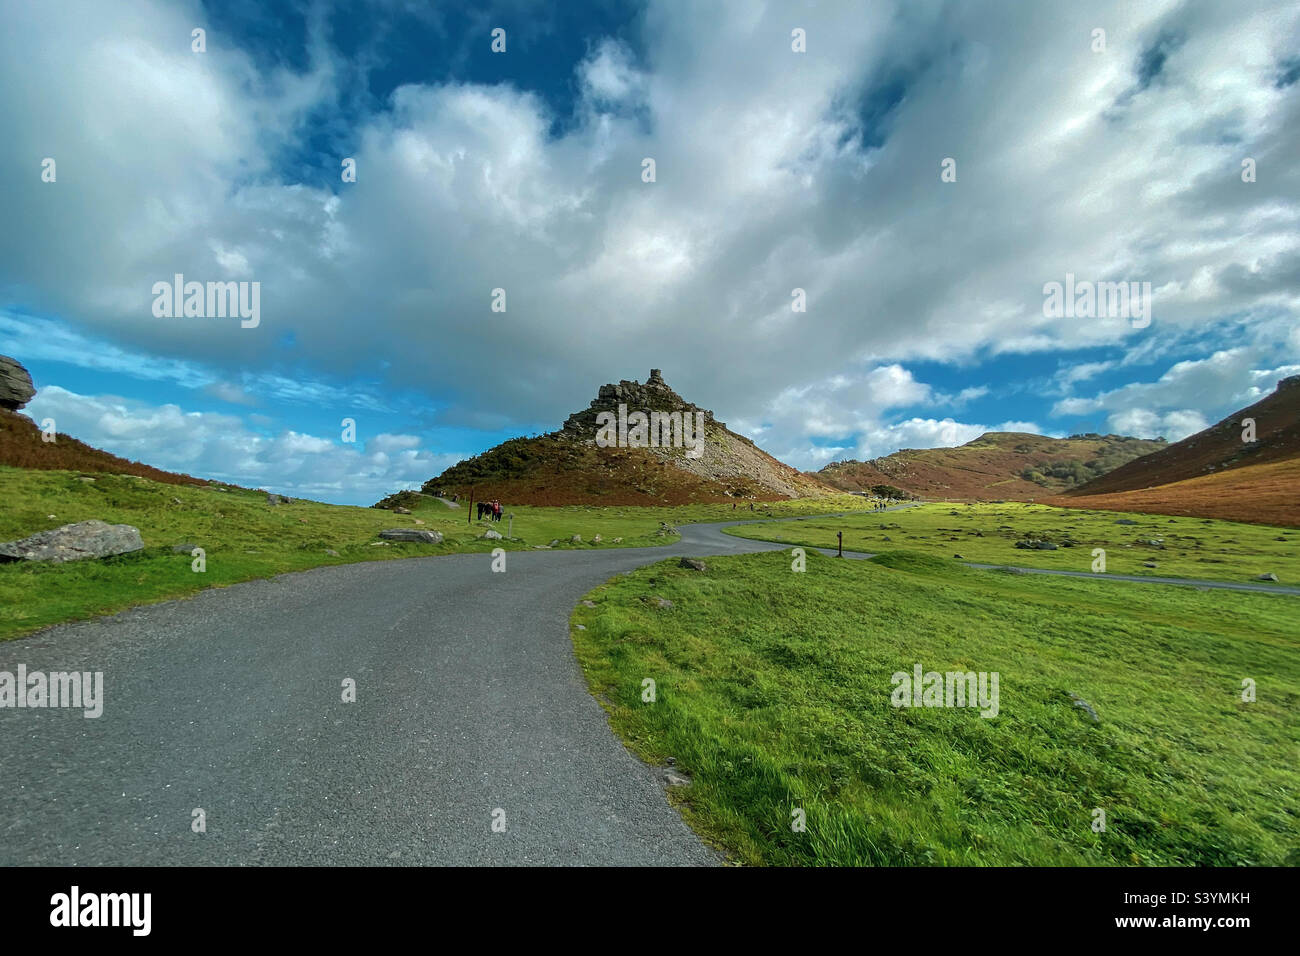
773, 691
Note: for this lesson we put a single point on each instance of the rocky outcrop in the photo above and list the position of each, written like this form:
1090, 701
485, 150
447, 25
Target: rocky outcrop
74, 542
16, 388
579, 465
654, 395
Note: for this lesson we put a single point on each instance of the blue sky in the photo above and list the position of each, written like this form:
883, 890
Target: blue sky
522, 170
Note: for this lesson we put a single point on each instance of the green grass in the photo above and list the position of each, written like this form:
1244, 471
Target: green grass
1208, 549
773, 692
244, 538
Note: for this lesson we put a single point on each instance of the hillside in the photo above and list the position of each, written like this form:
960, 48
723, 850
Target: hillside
1256, 494
569, 467
1218, 448
1013, 466
21, 446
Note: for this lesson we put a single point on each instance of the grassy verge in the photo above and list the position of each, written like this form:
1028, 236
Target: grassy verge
773, 690
244, 537
1186, 547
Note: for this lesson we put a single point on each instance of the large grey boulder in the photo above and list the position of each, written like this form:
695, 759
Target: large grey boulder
16, 388
411, 534
74, 542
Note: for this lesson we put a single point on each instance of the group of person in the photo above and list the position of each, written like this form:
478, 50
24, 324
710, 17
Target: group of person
489, 509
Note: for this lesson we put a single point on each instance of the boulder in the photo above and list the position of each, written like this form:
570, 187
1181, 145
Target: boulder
401, 511
74, 542
1270, 576
576, 539
1125, 521
16, 388
694, 564
491, 535
411, 534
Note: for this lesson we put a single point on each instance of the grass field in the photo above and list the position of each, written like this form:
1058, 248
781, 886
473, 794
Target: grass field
244, 537
774, 693
986, 533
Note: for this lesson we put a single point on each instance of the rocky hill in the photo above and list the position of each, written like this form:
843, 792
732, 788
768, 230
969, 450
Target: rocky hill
1013, 466
23, 446
600, 457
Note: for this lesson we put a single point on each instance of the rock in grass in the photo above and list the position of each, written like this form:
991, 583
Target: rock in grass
1085, 706
184, 548
1270, 576
661, 602
693, 564
74, 542
489, 534
401, 511
412, 534
576, 539
1125, 521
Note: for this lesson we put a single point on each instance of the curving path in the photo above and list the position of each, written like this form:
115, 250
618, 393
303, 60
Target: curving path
469, 700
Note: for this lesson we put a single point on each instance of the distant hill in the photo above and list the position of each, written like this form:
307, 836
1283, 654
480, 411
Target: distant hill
1217, 448
1214, 473
1012, 466
569, 467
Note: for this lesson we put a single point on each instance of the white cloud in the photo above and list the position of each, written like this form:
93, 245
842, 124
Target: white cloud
775, 171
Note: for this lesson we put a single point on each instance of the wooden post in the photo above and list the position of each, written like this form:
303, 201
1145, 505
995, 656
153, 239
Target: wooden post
840, 535
471, 504
510, 525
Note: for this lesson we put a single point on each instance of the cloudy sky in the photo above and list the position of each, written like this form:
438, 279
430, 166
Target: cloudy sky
1115, 157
